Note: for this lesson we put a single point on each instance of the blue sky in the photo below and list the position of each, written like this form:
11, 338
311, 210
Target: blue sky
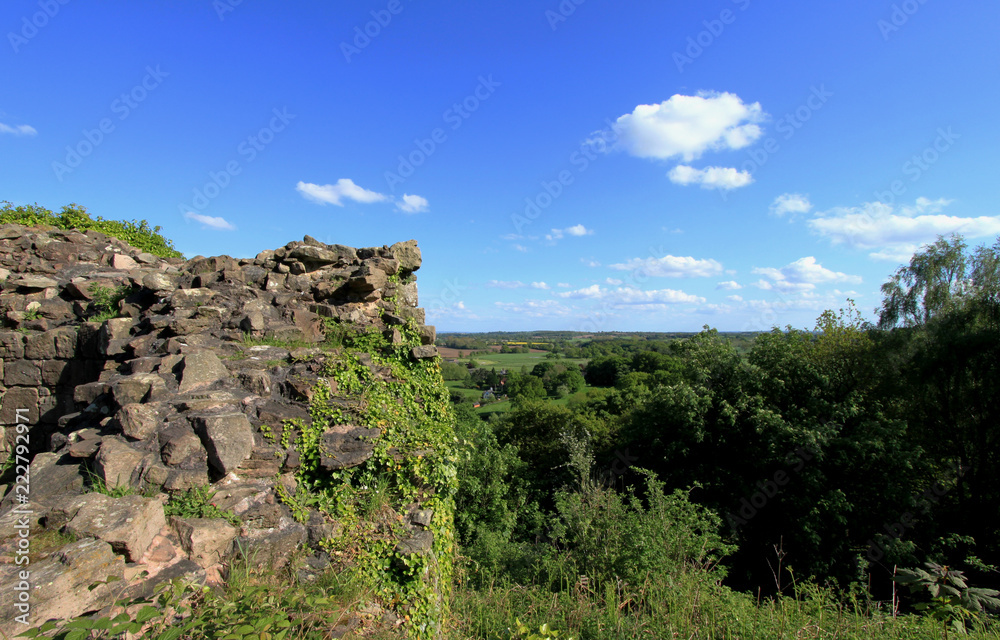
580, 165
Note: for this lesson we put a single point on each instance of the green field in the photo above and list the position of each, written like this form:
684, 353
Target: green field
514, 361
472, 394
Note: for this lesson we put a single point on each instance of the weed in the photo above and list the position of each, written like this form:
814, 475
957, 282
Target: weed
196, 502
105, 301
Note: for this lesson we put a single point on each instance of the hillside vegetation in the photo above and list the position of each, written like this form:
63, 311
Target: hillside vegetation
137, 233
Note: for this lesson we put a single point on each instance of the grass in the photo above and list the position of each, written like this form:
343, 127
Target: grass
250, 341
680, 606
472, 394
96, 484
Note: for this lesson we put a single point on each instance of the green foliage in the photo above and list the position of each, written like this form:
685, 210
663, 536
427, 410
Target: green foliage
525, 386
451, 371
414, 460
522, 632
609, 537
196, 502
953, 602
492, 493
137, 233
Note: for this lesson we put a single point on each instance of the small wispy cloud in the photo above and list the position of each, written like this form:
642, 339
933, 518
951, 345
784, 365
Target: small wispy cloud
210, 222
790, 204
576, 231
18, 130
412, 204
505, 284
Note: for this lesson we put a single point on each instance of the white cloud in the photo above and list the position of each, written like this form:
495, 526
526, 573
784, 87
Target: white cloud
729, 285
521, 248
896, 230
540, 285
412, 204
801, 276
672, 267
564, 285
735, 298
614, 281
688, 126
209, 222
456, 311
535, 308
716, 309
334, 193
590, 263
593, 291
505, 284
790, 203
725, 178
576, 230
898, 253
627, 296
18, 130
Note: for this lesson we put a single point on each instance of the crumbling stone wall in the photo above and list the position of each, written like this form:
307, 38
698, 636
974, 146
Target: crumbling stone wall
207, 364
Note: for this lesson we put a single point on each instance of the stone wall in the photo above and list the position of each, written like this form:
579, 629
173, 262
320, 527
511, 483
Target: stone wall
204, 376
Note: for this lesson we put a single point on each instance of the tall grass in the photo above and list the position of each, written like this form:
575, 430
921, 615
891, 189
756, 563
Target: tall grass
686, 605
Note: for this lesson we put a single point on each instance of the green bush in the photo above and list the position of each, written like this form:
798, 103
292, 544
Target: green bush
137, 233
